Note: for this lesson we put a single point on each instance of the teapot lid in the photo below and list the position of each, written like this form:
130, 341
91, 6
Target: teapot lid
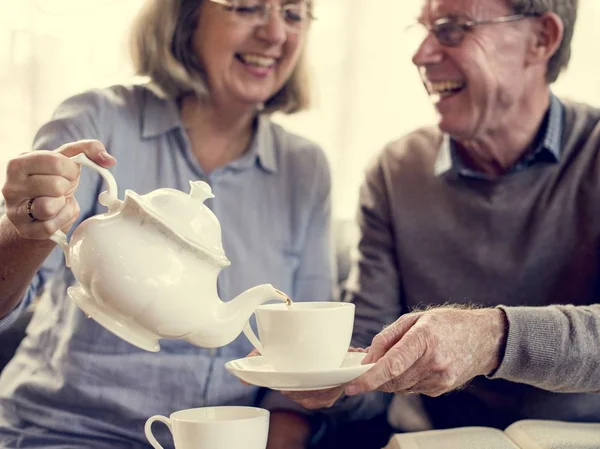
187, 216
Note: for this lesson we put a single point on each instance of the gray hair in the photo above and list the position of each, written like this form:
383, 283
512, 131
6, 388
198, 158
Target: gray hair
567, 11
161, 49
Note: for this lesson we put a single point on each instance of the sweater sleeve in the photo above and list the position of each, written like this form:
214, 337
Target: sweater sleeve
555, 348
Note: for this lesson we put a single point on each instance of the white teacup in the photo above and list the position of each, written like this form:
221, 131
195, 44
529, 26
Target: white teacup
306, 336
214, 428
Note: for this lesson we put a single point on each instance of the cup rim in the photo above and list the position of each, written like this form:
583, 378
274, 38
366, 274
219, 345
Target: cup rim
306, 306
258, 413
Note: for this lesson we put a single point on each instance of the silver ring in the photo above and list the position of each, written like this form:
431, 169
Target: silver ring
29, 211
409, 391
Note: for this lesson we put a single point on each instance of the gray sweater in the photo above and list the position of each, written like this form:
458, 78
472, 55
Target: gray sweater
521, 241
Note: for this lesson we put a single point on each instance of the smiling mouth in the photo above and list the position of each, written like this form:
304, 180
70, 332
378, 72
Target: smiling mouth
258, 61
444, 88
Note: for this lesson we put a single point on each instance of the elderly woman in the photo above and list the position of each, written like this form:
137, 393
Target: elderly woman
217, 69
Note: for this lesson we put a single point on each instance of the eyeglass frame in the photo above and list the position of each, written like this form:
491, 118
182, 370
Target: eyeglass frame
269, 7
469, 25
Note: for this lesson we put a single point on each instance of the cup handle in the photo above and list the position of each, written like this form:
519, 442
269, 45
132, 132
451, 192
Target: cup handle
250, 335
148, 429
108, 198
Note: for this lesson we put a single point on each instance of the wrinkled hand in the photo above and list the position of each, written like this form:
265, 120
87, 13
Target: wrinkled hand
48, 178
318, 399
288, 430
433, 352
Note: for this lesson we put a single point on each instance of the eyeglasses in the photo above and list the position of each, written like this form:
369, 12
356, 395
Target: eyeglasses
253, 13
450, 32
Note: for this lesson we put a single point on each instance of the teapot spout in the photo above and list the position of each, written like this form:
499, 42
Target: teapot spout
231, 317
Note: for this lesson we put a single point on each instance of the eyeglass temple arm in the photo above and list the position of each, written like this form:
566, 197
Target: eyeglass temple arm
230, 4
223, 2
503, 19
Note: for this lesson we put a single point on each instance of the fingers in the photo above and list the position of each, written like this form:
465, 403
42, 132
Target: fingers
93, 149
40, 185
45, 208
351, 349
47, 195
253, 353
405, 383
431, 387
41, 230
398, 359
412, 380
44, 163
318, 399
390, 336
35, 186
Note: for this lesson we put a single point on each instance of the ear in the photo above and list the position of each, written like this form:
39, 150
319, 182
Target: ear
548, 32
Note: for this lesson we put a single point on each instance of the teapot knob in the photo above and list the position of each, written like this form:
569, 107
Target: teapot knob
200, 190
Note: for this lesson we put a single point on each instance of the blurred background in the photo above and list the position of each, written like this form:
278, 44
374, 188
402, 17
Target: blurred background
365, 89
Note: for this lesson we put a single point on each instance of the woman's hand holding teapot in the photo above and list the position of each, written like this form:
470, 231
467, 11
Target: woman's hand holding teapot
40, 186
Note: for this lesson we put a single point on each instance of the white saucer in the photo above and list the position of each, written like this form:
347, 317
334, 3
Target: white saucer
257, 371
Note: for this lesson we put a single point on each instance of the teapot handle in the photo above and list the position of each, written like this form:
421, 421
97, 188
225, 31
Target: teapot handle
107, 198
251, 336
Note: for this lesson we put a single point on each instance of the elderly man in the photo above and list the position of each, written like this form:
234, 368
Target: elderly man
483, 234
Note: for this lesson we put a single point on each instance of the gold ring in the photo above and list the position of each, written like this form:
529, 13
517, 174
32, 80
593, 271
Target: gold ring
29, 211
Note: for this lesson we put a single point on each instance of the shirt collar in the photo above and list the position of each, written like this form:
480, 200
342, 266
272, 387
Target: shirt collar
261, 150
554, 130
161, 116
548, 149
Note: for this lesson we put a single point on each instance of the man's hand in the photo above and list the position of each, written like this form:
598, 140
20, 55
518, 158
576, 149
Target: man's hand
288, 430
433, 352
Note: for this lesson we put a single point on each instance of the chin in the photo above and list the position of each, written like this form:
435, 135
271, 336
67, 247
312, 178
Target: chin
256, 97
253, 102
446, 126
457, 129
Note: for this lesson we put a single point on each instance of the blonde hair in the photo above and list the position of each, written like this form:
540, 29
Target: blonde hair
161, 49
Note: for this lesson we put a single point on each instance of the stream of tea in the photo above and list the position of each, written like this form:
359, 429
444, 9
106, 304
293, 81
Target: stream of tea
288, 301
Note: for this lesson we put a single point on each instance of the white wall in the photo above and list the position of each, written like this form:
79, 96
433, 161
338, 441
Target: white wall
50, 49
366, 91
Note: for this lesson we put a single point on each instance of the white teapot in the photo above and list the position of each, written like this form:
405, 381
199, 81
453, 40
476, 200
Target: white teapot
147, 269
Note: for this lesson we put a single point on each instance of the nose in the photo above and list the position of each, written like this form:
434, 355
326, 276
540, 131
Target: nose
428, 52
274, 30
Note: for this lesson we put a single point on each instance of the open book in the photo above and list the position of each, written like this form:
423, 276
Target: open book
526, 434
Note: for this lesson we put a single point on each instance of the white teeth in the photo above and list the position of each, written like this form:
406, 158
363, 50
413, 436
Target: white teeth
259, 61
444, 86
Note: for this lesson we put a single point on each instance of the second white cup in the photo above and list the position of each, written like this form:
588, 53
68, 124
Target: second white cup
229, 427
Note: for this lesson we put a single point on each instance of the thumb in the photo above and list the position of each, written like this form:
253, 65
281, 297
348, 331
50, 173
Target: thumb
93, 149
